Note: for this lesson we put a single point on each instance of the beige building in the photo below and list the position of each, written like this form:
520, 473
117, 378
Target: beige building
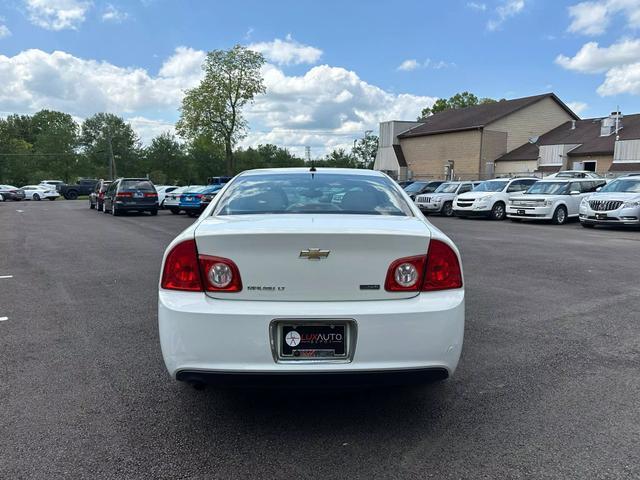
609, 145
464, 143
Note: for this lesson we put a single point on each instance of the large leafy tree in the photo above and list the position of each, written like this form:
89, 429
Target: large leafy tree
56, 143
103, 129
459, 100
232, 78
165, 159
365, 150
266, 156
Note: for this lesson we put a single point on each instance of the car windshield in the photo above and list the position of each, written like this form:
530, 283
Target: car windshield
318, 193
623, 186
144, 185
415, 187
447, 188
491, 186
548, 188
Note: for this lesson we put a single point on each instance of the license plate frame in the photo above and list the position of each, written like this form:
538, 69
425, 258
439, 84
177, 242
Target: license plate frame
308, 352
601, 216
522, 212
138, 195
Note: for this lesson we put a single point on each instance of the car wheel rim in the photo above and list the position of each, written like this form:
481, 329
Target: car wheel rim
561, 216
499, 211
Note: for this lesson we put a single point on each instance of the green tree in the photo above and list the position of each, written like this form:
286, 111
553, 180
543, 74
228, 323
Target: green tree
459, 100
165, 159
104, 128
365, 150
338, 158
266, 156
205, 159
55, 145
232, 78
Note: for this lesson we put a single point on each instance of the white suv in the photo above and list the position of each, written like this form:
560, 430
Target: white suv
555, 199
490, 198
441, 201
618, 203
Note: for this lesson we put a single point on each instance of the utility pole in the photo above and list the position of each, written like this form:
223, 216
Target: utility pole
112, 160
307, 153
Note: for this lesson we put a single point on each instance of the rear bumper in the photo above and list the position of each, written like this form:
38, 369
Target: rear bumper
138, 208
206, 339
314, 380
190, 208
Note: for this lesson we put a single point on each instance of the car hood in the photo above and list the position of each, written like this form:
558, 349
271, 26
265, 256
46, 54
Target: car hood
627, 197
476, 195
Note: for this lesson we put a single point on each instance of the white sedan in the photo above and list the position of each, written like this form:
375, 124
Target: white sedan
40, 192
298, 274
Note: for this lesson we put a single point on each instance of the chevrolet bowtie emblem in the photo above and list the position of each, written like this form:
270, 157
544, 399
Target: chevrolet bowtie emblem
314, 254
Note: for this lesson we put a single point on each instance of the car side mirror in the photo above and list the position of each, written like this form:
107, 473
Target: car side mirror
598, 189
575, 192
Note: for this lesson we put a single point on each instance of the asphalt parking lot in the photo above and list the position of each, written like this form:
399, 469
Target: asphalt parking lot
547, 387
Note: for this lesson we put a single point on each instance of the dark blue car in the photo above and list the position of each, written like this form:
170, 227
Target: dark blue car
195, 200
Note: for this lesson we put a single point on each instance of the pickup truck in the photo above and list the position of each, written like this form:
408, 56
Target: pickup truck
84, 187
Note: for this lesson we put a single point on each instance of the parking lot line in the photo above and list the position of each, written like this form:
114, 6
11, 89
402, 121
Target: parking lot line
5, 276
3, 319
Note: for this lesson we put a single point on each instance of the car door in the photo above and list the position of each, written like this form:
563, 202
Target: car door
574, 199
464, 188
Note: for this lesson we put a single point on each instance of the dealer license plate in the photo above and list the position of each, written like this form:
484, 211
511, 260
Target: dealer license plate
601, 216
522, 212
313, 341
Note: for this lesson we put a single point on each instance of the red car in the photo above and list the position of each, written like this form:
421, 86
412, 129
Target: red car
96, 198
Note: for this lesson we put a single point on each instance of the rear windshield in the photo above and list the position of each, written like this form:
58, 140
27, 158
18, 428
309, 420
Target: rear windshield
626, 186
447, 188
549, 188
144, 185
317, 193
491, 186
414, 187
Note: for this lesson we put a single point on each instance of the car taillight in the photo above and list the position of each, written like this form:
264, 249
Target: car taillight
443, 269
439, 269
181, 269
154, 195
220, 274
124, 194
405, 274
199, 195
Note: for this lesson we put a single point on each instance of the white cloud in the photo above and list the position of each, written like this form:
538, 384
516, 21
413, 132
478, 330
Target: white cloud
409, 65
287, 51
477, 6
504, 11
325, 107
57, 14
113, 14
4, 31
622, 79
592, 58
577, 107
594, 17
413, 64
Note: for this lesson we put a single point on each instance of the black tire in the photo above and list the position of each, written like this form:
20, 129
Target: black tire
447, 209
498, 211
114, 211
175, 211
104, 208
52, 198
36, 197
98, 207
91, 205
154, 212
559, 216
587, 225
193, 214
71, 195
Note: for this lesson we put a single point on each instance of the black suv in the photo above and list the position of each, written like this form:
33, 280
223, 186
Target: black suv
130, 194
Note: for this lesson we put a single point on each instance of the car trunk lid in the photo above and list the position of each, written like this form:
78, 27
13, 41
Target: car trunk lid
310, 257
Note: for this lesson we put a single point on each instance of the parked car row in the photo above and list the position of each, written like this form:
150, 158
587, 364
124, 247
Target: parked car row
28, 192
556, 198
141, 195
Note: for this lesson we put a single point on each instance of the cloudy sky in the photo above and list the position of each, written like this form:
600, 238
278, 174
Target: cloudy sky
335, 68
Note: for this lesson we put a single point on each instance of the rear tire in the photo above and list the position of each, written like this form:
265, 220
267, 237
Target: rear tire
71, 195
175, 211
36, 197
447, 209
498, 211
114, 211
154, 212
91, 205
559, 216
52, 198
